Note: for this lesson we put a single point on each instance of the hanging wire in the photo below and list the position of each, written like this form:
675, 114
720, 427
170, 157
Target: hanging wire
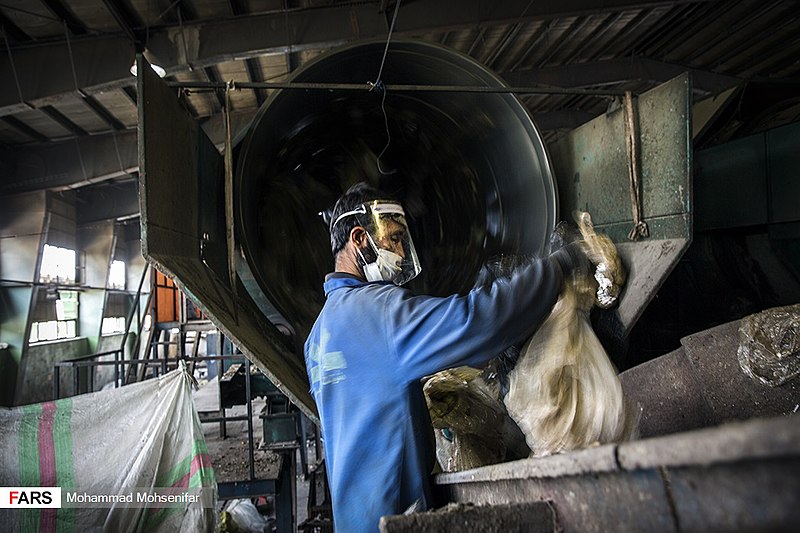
388, 135
183, 40
81, 94
71, 59
378, 83
388, 40
78, 90
13, 68
119, 156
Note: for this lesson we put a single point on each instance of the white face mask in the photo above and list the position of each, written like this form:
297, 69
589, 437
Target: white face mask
385, 268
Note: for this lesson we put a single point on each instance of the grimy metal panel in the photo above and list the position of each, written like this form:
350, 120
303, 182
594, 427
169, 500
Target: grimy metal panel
702, 480
183, 231
591, 168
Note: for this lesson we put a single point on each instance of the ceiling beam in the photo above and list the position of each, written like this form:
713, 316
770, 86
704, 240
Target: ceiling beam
237, 7
45, 73
64, 13
102, 61
125, 17
254, 73
599, 73
107, 201
22, 127
65, 122
212, 74
12, 30
70, 164
88, 160
130, 92
100, 110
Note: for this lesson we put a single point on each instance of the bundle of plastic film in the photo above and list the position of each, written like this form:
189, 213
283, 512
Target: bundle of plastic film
564, 392
468, 418
769, 345
459, 399
609, 272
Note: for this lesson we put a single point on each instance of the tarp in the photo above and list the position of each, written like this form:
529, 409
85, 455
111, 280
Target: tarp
143, 438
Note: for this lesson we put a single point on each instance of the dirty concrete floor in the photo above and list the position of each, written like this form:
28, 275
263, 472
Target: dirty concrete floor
229, 456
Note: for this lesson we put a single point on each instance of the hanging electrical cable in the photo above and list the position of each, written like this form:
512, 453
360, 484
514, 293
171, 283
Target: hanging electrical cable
378, 84
13, 67
81, 94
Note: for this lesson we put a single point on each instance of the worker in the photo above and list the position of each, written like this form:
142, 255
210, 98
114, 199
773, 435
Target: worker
374, 340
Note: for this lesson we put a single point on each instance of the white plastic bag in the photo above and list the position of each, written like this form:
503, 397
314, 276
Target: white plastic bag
247, 517
564, 392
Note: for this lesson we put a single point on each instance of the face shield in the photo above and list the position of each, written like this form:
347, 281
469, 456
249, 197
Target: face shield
391, 255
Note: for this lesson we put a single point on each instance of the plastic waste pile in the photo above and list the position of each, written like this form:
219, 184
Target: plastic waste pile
562, 393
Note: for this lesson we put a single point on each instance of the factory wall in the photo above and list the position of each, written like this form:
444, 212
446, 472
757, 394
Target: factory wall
27, 223
36, 378
22, 223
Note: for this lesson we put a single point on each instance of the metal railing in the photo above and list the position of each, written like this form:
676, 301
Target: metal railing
160, 366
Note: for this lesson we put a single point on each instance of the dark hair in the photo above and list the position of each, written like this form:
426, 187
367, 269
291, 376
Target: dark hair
356, 195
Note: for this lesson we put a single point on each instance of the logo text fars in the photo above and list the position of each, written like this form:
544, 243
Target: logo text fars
30, 497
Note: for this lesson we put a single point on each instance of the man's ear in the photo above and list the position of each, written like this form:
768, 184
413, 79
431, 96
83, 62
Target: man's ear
358, 236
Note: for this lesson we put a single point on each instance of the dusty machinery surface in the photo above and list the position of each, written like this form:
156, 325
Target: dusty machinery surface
472, 170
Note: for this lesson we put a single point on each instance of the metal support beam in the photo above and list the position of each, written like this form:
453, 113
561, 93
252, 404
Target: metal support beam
254, 73
187, 11
103, 61
103, 113
237, 8
71, 164
312, 86
66, 123
13, 31
109, 200
130, 92
20, 126
64, 13
126, 19
568, 34
543, 32
664, 25
598, 32
615, 71
623, 34
213, 76
736, 29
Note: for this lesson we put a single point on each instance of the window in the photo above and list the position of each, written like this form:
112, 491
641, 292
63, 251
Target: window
116, 275
58, 265
113, 325
65, 325
117, 307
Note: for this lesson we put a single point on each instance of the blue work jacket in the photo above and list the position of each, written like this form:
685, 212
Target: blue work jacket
365, 355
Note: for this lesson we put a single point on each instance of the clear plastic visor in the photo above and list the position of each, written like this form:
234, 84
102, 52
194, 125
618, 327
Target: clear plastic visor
387, 229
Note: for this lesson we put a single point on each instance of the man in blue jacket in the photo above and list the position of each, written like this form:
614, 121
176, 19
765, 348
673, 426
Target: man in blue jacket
374, 340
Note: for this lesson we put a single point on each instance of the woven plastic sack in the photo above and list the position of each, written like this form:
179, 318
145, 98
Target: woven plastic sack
142, 438
564, 392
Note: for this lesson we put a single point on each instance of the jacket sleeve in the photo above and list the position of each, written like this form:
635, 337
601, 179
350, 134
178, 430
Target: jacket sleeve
429, 334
